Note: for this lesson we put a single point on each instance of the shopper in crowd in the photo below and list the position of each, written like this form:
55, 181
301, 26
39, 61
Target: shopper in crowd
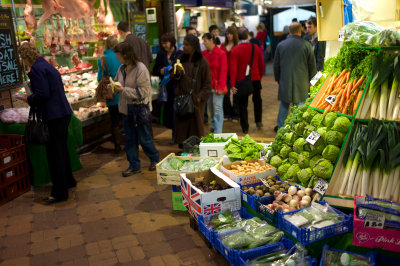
319, 47
254, 40
167, 57
113, 65
284, 34
261, 35
231, 108
49, 100
294, 66
239, 60
135, 79
140, 46
191, 31
217, 61
304, 33
192, 61
214, 30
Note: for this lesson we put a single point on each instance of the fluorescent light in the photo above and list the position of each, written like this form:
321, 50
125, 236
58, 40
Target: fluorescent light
177, 4
203, 7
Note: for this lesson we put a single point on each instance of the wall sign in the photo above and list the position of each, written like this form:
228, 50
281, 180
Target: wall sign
139, 22
10, 69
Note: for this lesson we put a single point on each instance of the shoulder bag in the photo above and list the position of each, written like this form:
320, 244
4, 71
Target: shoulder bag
245, 86
36, 131
183, 104
103, 92
139, 112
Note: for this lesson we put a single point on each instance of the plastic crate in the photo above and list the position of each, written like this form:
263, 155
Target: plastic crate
269, 215
191, 145
12, 150
209, 234
369, 255
13, 173
307, 236
15, 189
177, 203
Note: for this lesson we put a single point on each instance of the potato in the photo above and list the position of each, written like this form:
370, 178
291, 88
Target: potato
267, 194
244, 188
260, 192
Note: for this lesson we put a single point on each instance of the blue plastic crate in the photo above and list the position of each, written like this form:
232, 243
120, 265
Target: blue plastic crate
251, 199
209, 234
369, 255
307, 236
268, 214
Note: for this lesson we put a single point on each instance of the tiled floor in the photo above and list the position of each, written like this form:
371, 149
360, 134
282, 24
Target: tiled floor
111, 220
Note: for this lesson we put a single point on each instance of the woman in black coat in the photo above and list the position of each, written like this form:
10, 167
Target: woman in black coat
165, 57
48, 98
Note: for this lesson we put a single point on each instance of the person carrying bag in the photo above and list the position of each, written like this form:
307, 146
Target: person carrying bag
103, 91
139, 112
245, 86
183, 104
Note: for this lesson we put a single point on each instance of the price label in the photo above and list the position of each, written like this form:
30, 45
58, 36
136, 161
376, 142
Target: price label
341, 36
330, 99
264, 182
321, 186
315, 79
313, 137
263, 154
374, 220
212, 153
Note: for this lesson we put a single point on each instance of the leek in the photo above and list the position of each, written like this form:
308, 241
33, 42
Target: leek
375, 105
383, 100
353, 173
356, 181
394, 92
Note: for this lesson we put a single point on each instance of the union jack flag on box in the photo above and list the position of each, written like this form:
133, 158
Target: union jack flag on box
198, 202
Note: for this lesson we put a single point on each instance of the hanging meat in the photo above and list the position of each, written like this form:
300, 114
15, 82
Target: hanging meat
46, 35
60, 31
101, 13
54, 32
67, 47
49, 7
109, 19
29, 17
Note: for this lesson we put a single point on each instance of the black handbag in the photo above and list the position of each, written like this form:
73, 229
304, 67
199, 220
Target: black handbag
245, 86
183, 104
36, 131
139, 112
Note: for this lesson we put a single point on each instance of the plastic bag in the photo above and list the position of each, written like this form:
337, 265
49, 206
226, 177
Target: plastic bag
338, 258
360, 32
163, 94
237, 240
196, 166
172, 164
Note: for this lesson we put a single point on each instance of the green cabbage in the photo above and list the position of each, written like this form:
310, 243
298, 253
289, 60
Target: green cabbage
304, 159
330, 119
298, 145
323, 169
331, 152
317, 120
282, 170
291, 174
284, 153
314, 160
293, 157
276, 161
304, 176
309, 114
289, 138
341, 124
299, 128
318, 147
334, 138
322, 131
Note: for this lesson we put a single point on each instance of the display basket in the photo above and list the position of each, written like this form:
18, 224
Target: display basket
269, 215
252, 199
12, 150
191, 145
177, 203
171, 177
306, 236
369, 255
216, 149
209, 234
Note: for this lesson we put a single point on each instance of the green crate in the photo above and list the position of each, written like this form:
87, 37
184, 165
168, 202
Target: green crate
177, 203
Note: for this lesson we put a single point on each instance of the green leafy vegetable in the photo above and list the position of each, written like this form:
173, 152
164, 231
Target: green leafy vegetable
245, 149
276, 161
323, 169
331, 153
305, 175
210, 138
334, 138
341, 124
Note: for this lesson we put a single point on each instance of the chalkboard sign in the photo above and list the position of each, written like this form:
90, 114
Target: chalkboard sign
10, 69
139, 22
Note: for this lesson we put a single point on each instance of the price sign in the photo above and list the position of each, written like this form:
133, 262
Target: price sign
316, 78
264, 182
330, 99
341, 36
263, 154
374, 220
321, 186
313, 137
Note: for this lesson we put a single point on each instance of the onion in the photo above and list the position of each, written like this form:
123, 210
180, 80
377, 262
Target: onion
275, 206
296, 197
294, 203
286, 210
307, 198
286, 198
280, 208
304, 203
279, 195
292, 190
292, 209
285, 206
278, 202
301, 193
309, 191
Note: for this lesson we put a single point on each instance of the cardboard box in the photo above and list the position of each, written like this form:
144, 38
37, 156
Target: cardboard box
247, 179
373, 237
198, 202
5, 104
216, 149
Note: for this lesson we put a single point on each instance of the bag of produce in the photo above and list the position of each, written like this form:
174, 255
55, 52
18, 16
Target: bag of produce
333, 257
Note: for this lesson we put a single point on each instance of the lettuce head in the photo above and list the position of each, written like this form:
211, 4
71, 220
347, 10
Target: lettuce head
329, 119
276, 161
331, 152
341, 124
323, 169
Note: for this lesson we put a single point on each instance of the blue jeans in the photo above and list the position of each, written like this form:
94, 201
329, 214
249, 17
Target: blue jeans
215, 105
283, 113
134, 136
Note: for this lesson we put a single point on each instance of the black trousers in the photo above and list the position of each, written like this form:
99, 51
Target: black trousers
230, 110
115, 116
257, 101
244, 118
58, 158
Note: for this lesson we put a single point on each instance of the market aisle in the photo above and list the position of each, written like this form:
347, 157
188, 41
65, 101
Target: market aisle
113, 220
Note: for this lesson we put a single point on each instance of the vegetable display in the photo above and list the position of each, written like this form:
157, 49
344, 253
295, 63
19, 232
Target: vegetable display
371, 162
245, 149
248, 168
331, 257
177, 164
210, 138
263, 190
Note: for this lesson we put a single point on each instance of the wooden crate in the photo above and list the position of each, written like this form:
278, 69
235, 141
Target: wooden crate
172, 177
5, 94
5, 104
321, 91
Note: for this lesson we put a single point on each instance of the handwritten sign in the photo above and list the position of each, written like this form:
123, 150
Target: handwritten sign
374, 220
140, 22
321, 186
10, 69
313, 137
330, 99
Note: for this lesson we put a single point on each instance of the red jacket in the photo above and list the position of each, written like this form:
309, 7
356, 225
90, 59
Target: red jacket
240, 57
218, 67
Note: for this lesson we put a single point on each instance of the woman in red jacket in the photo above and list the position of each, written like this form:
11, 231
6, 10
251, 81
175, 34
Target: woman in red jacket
219, 67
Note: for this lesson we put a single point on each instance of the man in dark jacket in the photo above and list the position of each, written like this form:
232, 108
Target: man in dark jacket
140, 46
294, 66
319, 47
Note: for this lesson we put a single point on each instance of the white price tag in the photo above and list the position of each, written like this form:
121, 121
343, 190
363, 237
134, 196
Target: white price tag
244, 197
374, 220
341, 36
212, 153
330, 99
313, 137
321, 186
316, 78
264, 182
7, 160
263, 154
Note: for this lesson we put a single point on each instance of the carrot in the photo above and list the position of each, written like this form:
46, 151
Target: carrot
346, 106
357, 101
349, 89
347, 76
337, 100
323, 105
328, 109
341, 81
343, 73
330, 86
358, 84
